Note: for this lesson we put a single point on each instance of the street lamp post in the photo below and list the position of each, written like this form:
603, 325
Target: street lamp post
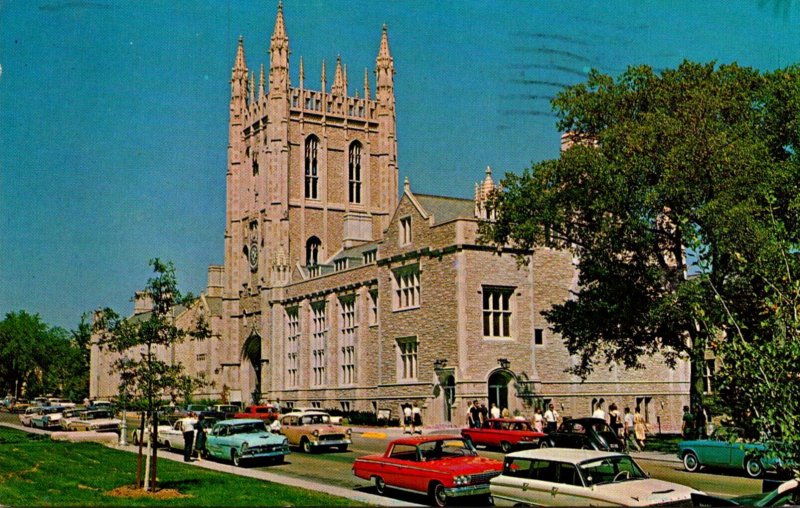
123, 430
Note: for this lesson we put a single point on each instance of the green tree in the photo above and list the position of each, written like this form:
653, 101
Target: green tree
144, 376
684, 171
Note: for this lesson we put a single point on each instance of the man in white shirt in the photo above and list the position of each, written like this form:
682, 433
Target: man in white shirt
187, 427
627, 421
495, 411
551, 418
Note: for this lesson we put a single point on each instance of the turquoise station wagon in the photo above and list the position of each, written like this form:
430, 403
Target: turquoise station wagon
726, 448
245, 440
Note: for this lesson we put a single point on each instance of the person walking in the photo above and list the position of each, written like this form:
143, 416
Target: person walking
475, 415
416, 419
687, 424
551, 419
538, 420
614, 419
408, 423
495, 411
484, 415
598, 410
200, 439
504, 413
639, 428
627, 429
187, 427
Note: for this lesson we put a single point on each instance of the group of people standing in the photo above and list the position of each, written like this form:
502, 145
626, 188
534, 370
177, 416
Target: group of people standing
630, 427
193, 442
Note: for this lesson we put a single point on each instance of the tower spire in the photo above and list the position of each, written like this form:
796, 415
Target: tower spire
324, 79
251, 84
239, 74
279, 55
261, 84
366, 83
384, 68
302, 73
338, 79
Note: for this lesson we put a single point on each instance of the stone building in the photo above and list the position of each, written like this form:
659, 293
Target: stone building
336, 294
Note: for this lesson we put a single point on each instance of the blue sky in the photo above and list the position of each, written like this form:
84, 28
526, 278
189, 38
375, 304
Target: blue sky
113, 114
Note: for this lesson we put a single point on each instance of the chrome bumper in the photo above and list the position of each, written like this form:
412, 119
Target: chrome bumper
333, 442
468, 490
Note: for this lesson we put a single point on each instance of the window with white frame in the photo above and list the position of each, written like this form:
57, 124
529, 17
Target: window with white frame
311, 169
407, 358
708, 376
319, 331
406, 288
497, 312
405, 230
347, 334
355, 172
292, 345
316, 404
346, 406
373, 307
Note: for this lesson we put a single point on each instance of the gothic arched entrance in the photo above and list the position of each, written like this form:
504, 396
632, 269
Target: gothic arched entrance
449, 386
498, 384
251, 351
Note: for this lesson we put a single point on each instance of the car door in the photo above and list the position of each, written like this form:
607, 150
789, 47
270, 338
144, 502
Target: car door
737, 449
397, 466
514, 485
717, 449
569, 489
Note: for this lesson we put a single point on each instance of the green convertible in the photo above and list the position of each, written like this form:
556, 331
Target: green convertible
726, 448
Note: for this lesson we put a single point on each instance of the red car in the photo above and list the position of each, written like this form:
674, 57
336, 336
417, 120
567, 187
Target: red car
442, 467
267, 413
505, 434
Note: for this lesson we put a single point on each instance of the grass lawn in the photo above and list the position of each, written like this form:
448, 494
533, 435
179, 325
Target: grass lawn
666, 443
37, 471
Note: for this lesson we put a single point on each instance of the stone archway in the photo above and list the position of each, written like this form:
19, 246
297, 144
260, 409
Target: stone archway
499, 388
449, 386
251, 351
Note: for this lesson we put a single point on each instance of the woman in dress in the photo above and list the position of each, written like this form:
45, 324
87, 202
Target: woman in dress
639, 428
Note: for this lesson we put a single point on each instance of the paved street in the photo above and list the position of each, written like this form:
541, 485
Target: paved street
333, 469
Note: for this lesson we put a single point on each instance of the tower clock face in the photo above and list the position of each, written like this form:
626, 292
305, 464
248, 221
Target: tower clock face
253, 256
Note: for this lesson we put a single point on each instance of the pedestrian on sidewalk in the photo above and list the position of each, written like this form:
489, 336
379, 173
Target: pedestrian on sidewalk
495, 411
200, 440
551, 418
614, 419
628, 429
474, 415
639, 428
187, 427
538, 420
598, 410
408, 423
416, 419
687, 424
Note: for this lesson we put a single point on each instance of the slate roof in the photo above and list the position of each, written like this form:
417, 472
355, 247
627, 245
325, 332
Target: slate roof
445, 209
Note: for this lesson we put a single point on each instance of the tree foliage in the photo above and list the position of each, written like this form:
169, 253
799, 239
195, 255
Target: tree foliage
679, 199
45, 360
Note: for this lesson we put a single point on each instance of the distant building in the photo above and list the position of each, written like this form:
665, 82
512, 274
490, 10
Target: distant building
334, 294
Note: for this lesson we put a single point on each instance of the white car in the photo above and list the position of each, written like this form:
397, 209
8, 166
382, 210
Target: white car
570, 477
100, 420
31, 412
172, 436
65, 403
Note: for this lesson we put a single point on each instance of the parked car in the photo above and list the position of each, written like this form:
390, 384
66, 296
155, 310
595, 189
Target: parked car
336, 420
48, 418
787, 494
586, 433
196, 408
26, 416
267, 413
18, 407
726, 448
171, 436
69, 416
100, 420
443, 467
65, 403
313, 430
241, 440
229, 410
505, 434
559, 477
101, 404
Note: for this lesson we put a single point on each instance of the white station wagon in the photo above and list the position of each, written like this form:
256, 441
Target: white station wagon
568, 477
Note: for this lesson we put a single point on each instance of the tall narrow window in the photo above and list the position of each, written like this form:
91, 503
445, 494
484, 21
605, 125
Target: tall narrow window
355, 172
312, 175
497, 312
405, 231
318, 339
708, 376
292, 340
406, 288
312, 251
407, 358
373, 308
347, 334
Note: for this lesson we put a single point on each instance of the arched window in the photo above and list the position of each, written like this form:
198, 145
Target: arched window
312, 176
355, 172
312, 251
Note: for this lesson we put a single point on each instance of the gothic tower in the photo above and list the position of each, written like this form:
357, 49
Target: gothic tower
309, 172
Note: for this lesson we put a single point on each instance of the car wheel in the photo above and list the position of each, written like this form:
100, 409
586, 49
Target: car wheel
544, 444
306, 445
380, 485
690, 462
753, 468
236, 458
136, 438
438, 495
505, 446
343, 448
167, 446
280, 459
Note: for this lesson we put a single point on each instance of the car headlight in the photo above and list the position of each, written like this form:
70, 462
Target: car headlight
315, 433
349, 432
461, 480
245, 445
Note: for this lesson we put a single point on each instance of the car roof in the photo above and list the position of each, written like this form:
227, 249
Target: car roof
416, 440
235, 421
509, 420
569, 455
308, 412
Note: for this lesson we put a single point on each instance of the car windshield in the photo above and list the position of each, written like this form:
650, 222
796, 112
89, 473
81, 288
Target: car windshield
611, 470
51, 410
446, 448
315, 419
96, 415
247, 428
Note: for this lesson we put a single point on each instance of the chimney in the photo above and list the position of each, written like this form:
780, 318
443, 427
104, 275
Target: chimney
215, 275
142, 302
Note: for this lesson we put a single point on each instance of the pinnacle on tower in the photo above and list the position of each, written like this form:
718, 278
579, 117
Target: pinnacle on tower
302, 73
261, 84
384, 69
324, 79
239, 63
366, 83
384, 59
279, 55
251, 84
338, 79
279, 34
